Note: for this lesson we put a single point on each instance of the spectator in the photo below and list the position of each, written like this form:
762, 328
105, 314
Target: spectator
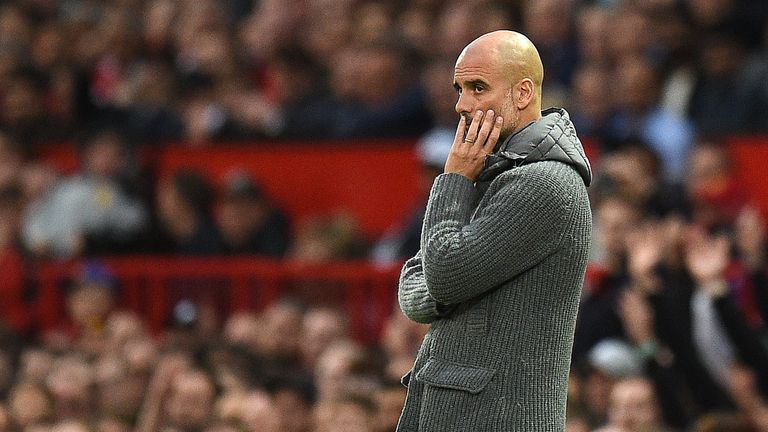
119, 390
29, 405
248, 222
711, 186
395, 107
293, 397
321, 327
634, 172
593, 32
184, 208
257, 413
633, 407
352, 413
327, 238
90, 212
69, 383
640, 116
190, 403
549, 24
591, 119
91, 297
726, 67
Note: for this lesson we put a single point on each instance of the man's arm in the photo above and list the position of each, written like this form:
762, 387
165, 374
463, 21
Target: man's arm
522, 224
413, 296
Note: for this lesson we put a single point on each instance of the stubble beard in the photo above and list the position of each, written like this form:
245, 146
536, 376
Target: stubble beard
510, 125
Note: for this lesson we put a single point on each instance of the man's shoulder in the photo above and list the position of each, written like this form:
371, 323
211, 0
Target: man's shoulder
542, 174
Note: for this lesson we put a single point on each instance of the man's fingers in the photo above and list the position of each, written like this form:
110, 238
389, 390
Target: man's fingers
473, 128
490, 143
485, 128
460, 129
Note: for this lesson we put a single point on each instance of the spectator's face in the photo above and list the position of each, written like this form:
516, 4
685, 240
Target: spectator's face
614, 221
597, 390
104, 156
283, 324
484, 84
350, 417
70, 382
593, 32
69, 426
295, 413
89, 304
345, 75
709, 12
636, 30
548, 21
633, 405
637, 85
592, 97
456, 28
122, 327
244, 329
333, 371
373, 65
240, 218
191, 400
257, 413
35, 365
119, 393
21, 102
320, 329
708, 173
28, 405
140, 354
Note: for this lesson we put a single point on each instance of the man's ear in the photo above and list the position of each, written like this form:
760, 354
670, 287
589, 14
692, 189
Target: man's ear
526, 92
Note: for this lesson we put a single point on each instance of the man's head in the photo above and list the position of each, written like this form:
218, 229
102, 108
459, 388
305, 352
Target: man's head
502, 71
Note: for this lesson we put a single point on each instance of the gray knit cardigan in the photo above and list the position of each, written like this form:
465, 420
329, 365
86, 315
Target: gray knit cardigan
498, 276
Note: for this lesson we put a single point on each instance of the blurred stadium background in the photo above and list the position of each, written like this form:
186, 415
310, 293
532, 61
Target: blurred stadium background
204, 205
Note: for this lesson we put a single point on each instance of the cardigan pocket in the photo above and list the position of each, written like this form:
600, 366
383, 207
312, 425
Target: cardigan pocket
445, 374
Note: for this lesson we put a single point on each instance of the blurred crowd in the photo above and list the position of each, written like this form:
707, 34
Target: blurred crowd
673, 327
288, 368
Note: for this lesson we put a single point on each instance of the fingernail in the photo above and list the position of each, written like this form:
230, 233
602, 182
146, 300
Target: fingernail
479, 113
499, 120
490, 112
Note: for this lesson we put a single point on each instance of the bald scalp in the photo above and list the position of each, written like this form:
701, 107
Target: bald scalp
514, 53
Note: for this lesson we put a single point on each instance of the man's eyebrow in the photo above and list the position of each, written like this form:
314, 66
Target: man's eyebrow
471, 83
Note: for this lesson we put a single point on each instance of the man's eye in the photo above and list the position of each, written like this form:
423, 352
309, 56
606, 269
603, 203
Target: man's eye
478, 88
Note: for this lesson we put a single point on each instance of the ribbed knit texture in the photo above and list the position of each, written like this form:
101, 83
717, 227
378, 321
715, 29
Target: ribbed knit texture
499, 278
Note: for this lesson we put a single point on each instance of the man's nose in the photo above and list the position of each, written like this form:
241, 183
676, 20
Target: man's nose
463, 105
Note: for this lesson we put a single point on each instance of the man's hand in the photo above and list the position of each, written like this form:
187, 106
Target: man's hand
468, 152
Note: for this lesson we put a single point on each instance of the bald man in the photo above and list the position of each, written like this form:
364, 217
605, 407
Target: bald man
504, 248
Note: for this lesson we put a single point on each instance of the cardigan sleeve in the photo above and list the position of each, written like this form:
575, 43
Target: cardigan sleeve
413, 296
522, 223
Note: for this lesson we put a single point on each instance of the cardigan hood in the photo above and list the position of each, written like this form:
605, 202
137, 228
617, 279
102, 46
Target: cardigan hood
552, 137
